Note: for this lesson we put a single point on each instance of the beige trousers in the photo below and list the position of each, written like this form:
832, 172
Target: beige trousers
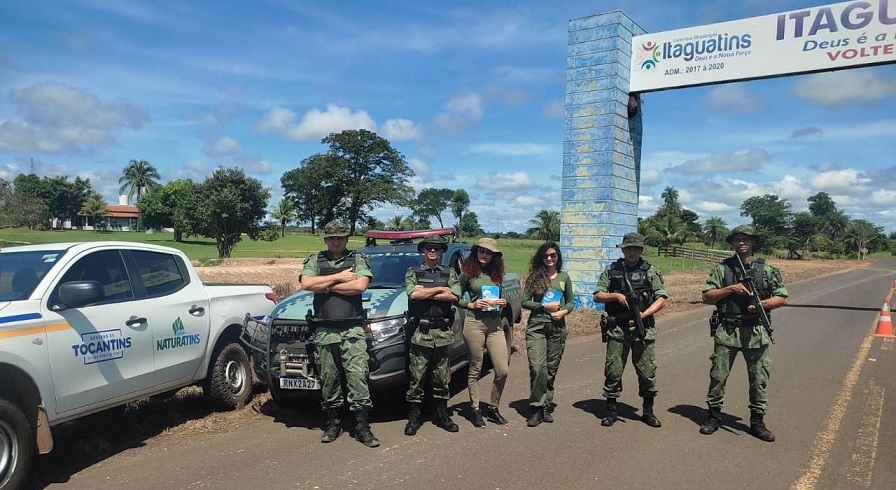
479, 335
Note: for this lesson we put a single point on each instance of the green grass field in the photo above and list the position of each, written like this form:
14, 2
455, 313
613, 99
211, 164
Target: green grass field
517, 252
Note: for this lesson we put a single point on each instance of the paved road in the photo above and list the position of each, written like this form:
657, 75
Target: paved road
832, 384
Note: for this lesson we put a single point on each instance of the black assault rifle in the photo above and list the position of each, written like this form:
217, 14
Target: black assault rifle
755, 300
634, 306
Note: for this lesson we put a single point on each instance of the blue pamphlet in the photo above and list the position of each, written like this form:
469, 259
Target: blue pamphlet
552, 296
491, 294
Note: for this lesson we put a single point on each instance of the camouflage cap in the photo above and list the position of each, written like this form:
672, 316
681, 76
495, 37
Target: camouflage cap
741, 230
335, 228
433, 239
632, 240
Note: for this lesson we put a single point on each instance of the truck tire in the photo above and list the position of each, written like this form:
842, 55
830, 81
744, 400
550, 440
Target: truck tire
16, 446
229, 383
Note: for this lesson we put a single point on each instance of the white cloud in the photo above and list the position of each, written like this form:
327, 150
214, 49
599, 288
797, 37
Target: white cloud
516, 181
724, 162
461, 112
842, 87
56, 118
401, 129
733, 98
420, 168
315, 124
711, 207
222, 146
650, 177
843, 180
885, 197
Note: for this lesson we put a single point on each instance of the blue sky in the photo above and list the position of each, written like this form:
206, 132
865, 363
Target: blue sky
471, 93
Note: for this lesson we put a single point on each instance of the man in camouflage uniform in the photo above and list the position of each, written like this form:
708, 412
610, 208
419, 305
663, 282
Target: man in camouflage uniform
621, 332
738, 328
338, 277
432, 289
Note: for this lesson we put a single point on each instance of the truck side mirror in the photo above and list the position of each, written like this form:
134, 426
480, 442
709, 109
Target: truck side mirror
76, 294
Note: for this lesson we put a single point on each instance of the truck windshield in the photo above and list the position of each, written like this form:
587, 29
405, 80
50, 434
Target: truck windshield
21, 271
389, 268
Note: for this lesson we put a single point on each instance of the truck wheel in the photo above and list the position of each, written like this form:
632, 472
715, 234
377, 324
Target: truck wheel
229, 383
16, 446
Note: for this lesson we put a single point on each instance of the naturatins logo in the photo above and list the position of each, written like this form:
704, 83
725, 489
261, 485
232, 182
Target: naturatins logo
179, 339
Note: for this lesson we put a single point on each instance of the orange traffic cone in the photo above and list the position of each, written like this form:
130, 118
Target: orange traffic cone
884, 324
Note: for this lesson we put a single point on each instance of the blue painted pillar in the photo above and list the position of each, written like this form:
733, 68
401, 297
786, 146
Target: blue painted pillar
601, 149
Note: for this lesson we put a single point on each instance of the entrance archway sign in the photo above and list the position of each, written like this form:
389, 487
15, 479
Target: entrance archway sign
611, 60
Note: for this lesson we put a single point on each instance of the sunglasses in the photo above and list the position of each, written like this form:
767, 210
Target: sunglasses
550, 256
485, 251
432, 248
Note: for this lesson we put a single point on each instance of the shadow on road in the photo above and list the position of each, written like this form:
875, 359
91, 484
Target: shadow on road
697, 415
624, 411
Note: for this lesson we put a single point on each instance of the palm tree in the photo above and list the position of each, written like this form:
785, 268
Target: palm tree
670, 200
835, 224
545, 225
138, 176
395, 223
671, 230
284, 213
94, 206
714, 230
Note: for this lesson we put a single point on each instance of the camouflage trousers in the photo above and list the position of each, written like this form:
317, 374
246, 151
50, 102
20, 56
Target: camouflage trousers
346, 359
545, 343
645, 366
420, 359
758, 370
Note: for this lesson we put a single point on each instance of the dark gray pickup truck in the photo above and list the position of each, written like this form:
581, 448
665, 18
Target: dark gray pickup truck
281, 346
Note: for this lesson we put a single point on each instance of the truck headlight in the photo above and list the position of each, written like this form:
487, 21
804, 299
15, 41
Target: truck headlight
387, 329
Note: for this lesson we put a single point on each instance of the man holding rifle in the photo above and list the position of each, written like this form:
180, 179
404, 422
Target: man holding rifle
634, 292
744, 290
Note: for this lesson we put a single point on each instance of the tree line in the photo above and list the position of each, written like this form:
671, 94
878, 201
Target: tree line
361, 172
822, 231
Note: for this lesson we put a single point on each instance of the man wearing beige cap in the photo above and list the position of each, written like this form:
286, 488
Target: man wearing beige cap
630, 278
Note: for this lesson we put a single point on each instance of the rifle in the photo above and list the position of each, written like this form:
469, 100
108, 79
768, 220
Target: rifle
755, 300
634, 306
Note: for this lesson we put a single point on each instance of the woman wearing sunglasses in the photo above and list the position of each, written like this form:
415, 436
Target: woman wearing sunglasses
548, 297
482, 274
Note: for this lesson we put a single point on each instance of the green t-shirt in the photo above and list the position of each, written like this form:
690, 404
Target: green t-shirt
534, 301
657, 287
329, 335
471, 290
751, 336
434, 337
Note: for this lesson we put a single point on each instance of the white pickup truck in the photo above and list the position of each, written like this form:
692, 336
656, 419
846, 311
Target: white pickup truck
88, 326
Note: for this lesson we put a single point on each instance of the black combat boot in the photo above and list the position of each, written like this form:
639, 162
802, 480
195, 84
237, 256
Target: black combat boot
713, 422
549, 413
495, 416
413, 420
610, 413
443, 416
647, 415
758, 428
334, 426
478, 422
536, 416
362, 430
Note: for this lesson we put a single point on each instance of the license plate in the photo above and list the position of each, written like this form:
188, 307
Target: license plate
299, 384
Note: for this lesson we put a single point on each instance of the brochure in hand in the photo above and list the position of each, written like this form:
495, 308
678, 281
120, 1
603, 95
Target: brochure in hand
552, 296
491, 294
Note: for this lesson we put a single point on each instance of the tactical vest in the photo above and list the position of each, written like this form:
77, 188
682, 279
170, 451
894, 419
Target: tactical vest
640, 284
430, 308
734, 306
334, 306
